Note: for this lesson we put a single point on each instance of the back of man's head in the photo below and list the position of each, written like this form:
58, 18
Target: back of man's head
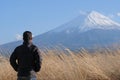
27, 35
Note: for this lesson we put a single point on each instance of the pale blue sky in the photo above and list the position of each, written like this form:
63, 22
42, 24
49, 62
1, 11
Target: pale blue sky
40, 16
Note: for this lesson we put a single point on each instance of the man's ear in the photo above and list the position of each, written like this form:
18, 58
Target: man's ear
31, 38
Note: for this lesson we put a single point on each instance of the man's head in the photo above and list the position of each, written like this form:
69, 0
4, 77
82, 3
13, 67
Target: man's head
27, 36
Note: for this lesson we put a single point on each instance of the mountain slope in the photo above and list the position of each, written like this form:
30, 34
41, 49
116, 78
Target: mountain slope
88, 31
96, 20
93, 20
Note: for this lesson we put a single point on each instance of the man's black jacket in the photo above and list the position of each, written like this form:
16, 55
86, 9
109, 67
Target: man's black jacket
25, 58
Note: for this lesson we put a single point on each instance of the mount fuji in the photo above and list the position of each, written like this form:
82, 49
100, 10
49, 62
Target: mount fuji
93, 20
85, 31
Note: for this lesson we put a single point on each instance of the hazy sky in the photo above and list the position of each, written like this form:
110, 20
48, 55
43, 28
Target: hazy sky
40, 16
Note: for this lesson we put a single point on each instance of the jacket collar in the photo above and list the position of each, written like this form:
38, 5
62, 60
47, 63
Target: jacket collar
28, 44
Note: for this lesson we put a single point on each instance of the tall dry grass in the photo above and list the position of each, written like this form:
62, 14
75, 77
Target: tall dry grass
56, 65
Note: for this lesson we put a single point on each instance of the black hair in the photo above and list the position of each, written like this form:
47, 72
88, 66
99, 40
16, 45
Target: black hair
27, 35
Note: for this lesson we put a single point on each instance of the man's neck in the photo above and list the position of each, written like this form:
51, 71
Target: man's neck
27, 43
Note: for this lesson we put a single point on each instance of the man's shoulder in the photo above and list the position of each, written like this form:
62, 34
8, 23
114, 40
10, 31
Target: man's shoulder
34, 46
19, 47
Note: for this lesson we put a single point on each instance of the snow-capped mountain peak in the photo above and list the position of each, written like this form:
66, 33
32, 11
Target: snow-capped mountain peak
96, 20
93, 20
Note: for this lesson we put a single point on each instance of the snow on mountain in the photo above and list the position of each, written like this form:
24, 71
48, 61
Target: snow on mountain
96, 20
93, 20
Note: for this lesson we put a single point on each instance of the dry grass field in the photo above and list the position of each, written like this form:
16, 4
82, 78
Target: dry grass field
56, 65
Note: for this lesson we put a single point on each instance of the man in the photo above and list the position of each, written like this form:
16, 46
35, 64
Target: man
26, 59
